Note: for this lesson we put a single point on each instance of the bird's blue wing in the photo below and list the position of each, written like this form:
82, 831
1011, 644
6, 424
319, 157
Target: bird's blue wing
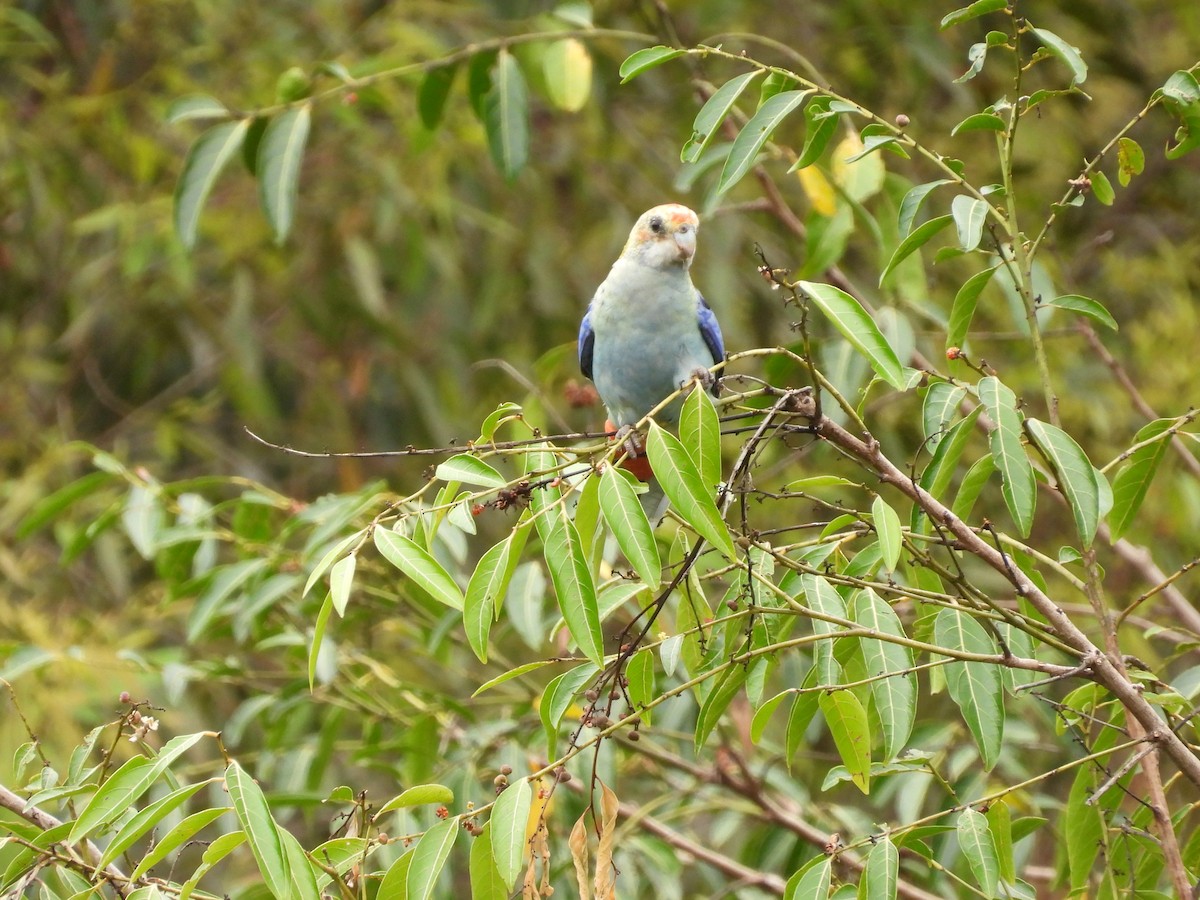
587, 341
709, 329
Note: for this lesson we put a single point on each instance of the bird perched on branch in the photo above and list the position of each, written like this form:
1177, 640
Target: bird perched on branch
648, 331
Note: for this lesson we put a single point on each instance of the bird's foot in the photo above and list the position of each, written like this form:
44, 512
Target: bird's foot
632, 440
703, 377
635, 454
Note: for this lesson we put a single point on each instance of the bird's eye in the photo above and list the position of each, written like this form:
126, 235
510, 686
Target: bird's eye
656, 225
684, 229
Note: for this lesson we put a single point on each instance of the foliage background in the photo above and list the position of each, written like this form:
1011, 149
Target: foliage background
420, 288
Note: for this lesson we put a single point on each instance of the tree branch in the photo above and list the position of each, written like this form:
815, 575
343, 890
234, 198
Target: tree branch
43, 820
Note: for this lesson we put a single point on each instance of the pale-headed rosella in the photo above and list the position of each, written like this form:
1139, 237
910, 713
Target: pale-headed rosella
648, 331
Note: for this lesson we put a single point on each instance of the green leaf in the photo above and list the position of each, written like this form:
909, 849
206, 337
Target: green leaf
252, 143
506, 116
196, 106
557, 698
511, 674
812, 882
682, 484
1018, 483
1132, 482
882, 871
262, 833
341, 579
486, 881
505, 412
279, 158
485, 589
891, 536
416, 563
969, 215
639, 672
177, 837
713, 113
573, 586
776, 82
143, 519
227, 581
847, 721
433, 93
820, 482
303, 878
823, 598
975, 841
146, 819
974, 687
895, 698
1187, 135
1083, 827
877, 137
977, 56
979, 122
974, 11
1102, 188
963, 310
857, 326
394, 885
124, 786
762, 715
418, 795
49, 507
1066, 54
1075, 473
429, 858
328, 559
700, 434
629, 525
567, 66
339, 854
912, 201
754, 134
205, 160
643, 60
972, 484
729, 683
1000, 825
469, 469
916, 239
940, 410
1182, 86
820, 126
1085, 306
314, 650
213, 854
1130, 160
509, 817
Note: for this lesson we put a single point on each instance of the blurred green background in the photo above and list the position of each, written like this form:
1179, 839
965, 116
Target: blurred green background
419, 288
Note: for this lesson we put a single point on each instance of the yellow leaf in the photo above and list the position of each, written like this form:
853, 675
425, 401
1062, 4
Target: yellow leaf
862, 178
819, 191
568, 68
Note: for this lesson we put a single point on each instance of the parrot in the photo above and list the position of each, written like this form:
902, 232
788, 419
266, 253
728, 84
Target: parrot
647, 331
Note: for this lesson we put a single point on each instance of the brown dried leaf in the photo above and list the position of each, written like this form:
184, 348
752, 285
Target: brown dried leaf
579, 855
606, 888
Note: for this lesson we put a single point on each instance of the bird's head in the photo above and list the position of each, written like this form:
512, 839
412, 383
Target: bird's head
664, 237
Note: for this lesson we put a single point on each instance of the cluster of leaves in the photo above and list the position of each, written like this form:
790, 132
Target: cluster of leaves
272, 140
764, 594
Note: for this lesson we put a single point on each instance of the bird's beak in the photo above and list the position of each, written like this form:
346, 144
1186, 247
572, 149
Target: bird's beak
686, 242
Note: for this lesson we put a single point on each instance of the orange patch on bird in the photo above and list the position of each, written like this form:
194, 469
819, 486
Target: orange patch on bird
639, 466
